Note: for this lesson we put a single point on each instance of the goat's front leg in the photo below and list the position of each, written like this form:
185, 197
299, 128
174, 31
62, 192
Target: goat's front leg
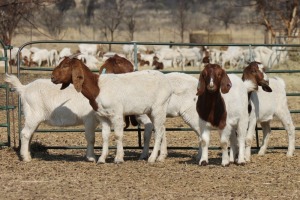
90, 127
233, 147
224, 140
205, 139
148, 126
249, 136
105, 137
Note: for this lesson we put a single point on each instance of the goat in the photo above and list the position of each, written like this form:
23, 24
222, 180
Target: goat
39, 57
225, 109
116, 65
44, 102
89, 49
113, 96
182, 103
266, 105
157, 65
64, 52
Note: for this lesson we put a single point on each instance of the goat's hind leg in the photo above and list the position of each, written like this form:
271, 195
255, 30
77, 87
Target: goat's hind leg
159, 131
119, 130
266, 135
26, 137
105, 137
287, 122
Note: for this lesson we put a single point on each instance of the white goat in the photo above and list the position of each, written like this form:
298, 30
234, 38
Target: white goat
270, 57
89, 60
182, 103
44, 102
113, 96
39, 57
53, 57
190, 55
266, 105
64, 52
89, 49
171, 55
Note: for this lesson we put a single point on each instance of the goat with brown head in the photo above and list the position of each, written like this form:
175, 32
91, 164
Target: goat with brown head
72, 70
255, 72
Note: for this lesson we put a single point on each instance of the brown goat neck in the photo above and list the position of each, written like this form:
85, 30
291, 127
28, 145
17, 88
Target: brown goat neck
211, 108
90, 88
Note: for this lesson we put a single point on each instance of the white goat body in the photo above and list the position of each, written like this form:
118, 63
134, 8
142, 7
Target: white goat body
88, 49
44, 102
39, 56
266, 105
119, 96
182, 103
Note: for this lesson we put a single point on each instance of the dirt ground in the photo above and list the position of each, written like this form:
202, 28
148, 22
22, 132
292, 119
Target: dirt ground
64, 173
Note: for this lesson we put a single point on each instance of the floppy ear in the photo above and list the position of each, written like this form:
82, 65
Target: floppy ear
266, 88
225, 83
201, 85
77, 77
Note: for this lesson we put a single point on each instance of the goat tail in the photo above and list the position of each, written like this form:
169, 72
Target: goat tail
14, 81
130, 119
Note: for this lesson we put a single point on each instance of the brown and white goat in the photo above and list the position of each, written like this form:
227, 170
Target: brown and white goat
114, 96
265, 104
222, 103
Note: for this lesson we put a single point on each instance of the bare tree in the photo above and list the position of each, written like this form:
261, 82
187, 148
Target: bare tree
12, 12
279, 15
181, 16
110, 14
130, 16
52, 19
275, 16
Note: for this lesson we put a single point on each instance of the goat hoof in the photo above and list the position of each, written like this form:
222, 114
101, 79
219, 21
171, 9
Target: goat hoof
204, 163
101, 161
119, 161
226, 165
90, 159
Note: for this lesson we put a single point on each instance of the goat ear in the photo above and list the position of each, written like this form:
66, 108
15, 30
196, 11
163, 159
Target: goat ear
225, 83
64, 85
266, 88
201, 86
77, 77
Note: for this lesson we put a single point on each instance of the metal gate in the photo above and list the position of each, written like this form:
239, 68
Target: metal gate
138, 129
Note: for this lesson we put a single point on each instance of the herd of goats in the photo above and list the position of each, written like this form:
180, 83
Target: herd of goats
227, 102
155, 57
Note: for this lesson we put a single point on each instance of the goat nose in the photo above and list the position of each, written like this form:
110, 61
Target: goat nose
52, 78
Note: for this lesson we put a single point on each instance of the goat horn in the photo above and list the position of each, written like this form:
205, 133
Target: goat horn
74, 55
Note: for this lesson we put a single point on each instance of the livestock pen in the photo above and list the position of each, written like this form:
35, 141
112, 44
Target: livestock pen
58, 170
